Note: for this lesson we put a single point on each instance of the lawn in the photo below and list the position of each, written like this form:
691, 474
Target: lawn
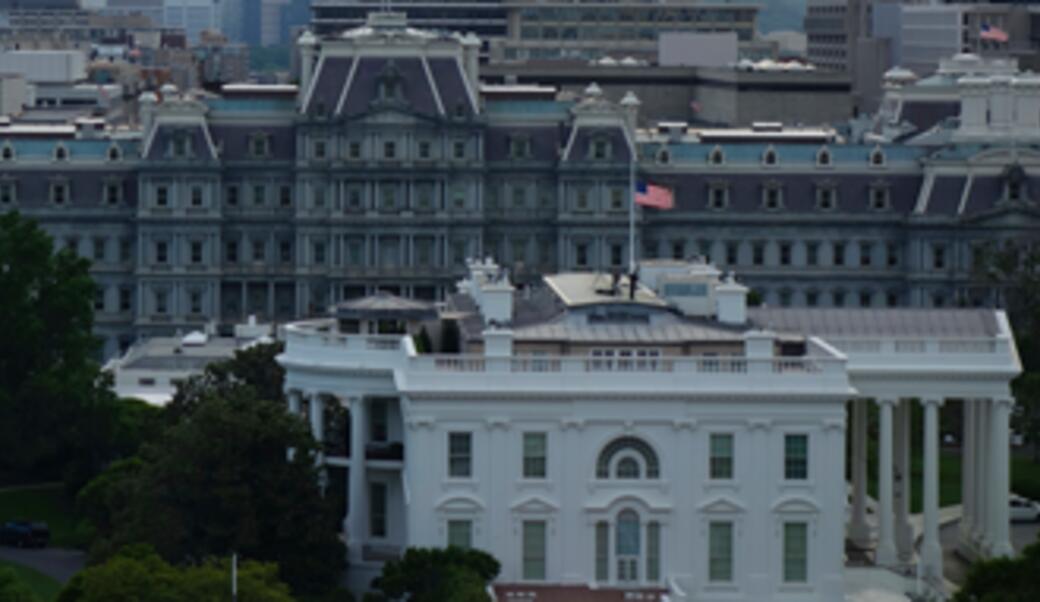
43, 586
46, 503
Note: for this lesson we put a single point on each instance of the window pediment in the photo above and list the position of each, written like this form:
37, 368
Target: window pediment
796, 504
535, 504
722, 504
459, 503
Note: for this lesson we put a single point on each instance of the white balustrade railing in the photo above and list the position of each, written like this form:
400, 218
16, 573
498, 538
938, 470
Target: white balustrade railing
462, 364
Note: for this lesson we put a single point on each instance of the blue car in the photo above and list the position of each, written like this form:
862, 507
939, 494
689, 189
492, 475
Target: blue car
25, 534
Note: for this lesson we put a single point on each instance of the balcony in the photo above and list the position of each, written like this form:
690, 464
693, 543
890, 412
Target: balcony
384, 450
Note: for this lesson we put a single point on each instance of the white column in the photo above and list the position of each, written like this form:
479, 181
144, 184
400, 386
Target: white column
859, 529
357, 512
999, 486
294, 410
981, 470
904, 530
967, 473
317, 416
931, 550
886, 547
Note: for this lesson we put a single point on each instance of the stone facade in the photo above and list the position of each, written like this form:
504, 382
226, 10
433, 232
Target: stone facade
387, 169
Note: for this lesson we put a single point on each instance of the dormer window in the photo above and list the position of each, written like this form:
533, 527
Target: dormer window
877, 158
600, 149
1014, 191
769, 157
664, 157
716, 157
460, 110
879, 198
718, 196
826, 197
390, 85
60, 153
7, 153
179, 146
772, 197
260, 146
114, 154
823, 158
519, 147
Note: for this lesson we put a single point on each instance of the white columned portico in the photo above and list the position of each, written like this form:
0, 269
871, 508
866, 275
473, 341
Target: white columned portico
357, 511
904, 530
931, 549
317, 416
295, 399
999, 487
886, 547
859, 529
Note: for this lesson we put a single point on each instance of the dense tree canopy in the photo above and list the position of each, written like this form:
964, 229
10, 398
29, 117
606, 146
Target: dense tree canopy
438, 575
1004, 579
138, 574
12, 589
218, 480
58, 415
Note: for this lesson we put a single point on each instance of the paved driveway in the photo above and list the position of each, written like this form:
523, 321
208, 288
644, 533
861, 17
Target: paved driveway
57, 563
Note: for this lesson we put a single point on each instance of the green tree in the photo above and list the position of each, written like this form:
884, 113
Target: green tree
438, 575
12, 589
254, 367
1004, 579
219, 481
138, 574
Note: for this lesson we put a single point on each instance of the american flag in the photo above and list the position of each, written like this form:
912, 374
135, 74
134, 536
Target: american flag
650, 195
993, 33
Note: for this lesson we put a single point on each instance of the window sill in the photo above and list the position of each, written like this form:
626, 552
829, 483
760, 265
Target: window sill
797, 484
528, 483
721, 587
722, 484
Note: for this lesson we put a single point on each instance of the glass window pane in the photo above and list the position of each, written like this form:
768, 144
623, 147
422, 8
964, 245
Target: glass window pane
460, 533
627, 543
720, 552
721, 463
535, 452
534, 550
602, 549
653, 551
796, 457
795, 552
459, 455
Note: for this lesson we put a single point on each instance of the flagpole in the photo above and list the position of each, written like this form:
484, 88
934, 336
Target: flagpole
632, 210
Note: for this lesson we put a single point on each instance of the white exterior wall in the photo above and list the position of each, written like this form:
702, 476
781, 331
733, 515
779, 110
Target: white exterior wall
683, 500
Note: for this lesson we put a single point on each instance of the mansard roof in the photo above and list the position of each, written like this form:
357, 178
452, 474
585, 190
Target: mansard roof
926, 114
43, 148
583, 136
545, 140
199, 141
348, 87
787, 154
233, 140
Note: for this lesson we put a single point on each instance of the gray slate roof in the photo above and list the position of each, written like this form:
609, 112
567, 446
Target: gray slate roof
855, 322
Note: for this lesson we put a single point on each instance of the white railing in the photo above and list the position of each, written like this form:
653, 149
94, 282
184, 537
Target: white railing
468, 364
919, 346
322, 334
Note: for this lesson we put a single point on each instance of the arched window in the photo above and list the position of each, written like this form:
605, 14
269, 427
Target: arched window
716, 157
640, 448
823, 158
664, 157
60, 154
7, 153
626, 546
627, 468
877, 157
113, 153
769, 157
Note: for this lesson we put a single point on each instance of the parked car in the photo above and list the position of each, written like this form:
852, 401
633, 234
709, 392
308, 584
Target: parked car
1024, 509
25, 534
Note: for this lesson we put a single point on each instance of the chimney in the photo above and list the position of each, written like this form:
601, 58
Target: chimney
731, 302
973, 91
1026, 89
307, 43
1000, 102
498, 342
497, 301
759, 343
630, 105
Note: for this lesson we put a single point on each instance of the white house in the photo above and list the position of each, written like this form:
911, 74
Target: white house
606, 437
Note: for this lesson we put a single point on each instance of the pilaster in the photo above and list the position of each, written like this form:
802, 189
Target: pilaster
886, 547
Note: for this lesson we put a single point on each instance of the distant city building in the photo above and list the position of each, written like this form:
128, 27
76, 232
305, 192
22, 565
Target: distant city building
192, 16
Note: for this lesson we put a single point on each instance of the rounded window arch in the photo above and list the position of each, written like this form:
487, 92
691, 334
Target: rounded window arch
823, 158
664, 156
877, 157
114, 154
637, 449
60, 153
627, 468
769, 156
717, 157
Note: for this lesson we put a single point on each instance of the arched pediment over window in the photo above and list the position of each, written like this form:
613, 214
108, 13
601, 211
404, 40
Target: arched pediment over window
628, 458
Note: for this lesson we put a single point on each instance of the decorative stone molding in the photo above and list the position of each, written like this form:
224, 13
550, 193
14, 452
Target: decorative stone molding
684, 423
572, 423
417, 422
500, 422
765, 424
